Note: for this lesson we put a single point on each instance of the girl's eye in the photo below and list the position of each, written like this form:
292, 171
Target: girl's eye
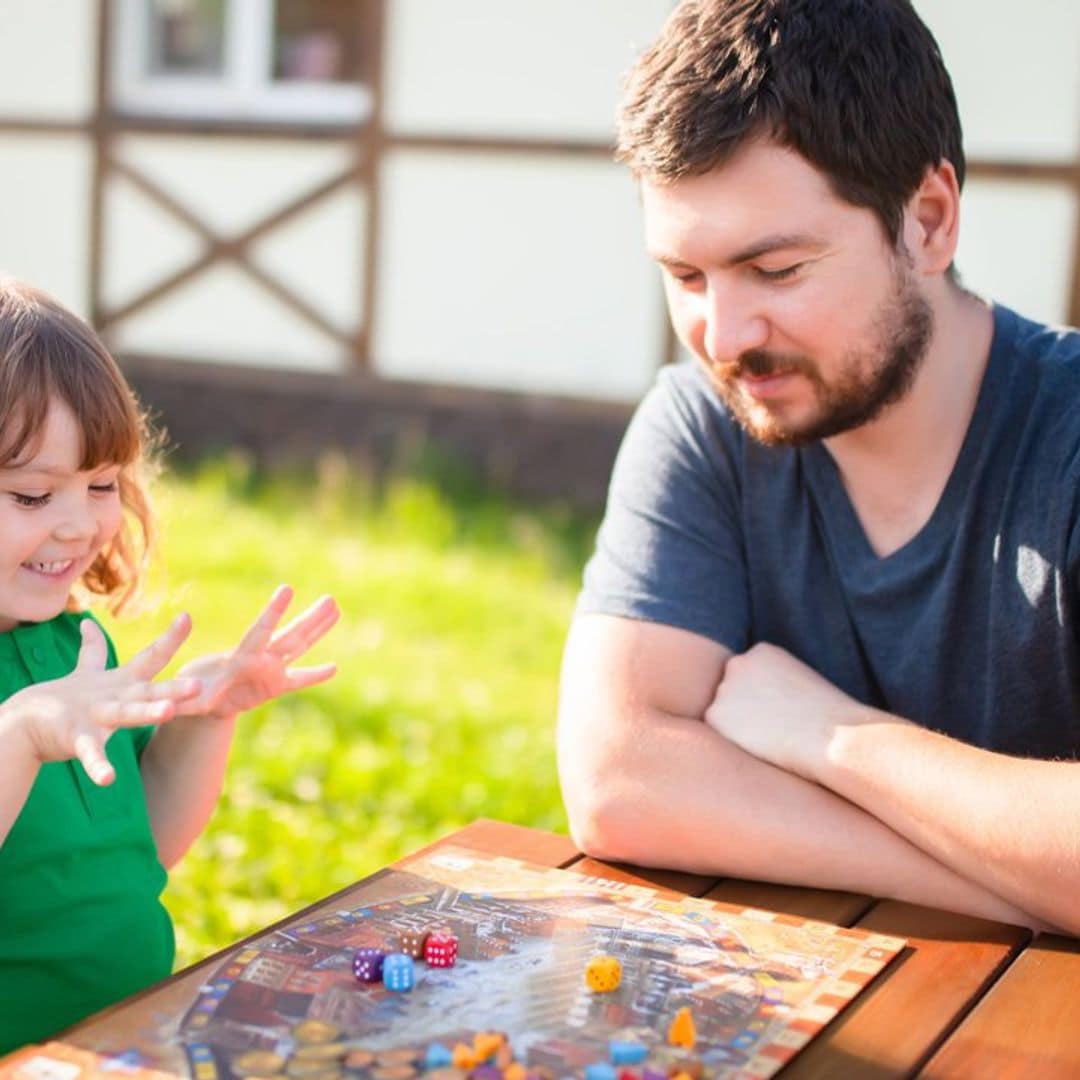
105, 489
29, 500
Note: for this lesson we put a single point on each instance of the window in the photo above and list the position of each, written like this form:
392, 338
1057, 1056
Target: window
300, 60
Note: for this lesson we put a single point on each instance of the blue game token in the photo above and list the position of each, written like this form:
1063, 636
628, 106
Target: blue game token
437, 1057
600, 1070
627, 1053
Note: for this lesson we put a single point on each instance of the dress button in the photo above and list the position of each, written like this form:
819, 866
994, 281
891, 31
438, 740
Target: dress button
38, 655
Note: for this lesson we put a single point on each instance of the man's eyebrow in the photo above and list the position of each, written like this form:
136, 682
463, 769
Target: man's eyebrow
765, 246
776, 242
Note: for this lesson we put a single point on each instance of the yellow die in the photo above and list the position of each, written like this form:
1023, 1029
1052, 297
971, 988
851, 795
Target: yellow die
603, 974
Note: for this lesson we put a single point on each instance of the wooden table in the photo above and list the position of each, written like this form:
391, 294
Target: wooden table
967, 998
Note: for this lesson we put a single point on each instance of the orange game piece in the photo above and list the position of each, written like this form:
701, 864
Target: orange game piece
682, 1031
464, 1057
486, 1043
516, 1071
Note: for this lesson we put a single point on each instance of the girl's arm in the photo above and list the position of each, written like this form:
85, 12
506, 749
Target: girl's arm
184, 764
74, 717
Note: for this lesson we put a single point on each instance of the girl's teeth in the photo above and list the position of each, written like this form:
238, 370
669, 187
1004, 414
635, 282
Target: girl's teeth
51, 567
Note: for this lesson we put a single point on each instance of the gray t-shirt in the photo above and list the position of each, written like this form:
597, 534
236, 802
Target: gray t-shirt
971, 628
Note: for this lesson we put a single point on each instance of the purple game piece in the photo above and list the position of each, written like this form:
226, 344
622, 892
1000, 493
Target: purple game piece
486, 1072
367, 964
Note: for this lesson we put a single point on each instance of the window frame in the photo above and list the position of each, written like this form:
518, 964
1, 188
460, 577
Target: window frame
246, 89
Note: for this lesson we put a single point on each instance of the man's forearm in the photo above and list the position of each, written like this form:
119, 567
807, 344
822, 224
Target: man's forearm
678, 795
1008, 823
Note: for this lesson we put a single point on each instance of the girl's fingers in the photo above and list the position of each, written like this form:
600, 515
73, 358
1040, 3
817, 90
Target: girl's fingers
91, 752
157, 654
121, 714
93, 649
308, 627
167, 690
261, 630
299, 678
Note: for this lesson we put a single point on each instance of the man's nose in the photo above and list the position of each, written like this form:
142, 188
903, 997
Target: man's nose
733, 324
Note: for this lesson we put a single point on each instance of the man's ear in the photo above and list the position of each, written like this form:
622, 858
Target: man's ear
931, 227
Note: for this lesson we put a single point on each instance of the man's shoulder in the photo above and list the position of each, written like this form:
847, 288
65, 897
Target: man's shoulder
1049, 352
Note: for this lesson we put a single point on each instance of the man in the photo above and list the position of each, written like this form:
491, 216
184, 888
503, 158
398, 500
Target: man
829, 635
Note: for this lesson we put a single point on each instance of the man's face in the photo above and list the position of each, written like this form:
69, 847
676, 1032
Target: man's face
807, 321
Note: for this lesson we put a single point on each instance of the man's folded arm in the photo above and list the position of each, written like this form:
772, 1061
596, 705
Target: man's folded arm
645, 781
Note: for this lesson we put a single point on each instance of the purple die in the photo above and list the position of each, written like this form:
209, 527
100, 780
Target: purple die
397, 972
367, 964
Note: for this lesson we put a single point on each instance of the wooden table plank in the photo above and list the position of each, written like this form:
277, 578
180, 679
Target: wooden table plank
894, 1026
671, 880
1026, 1025
826, 905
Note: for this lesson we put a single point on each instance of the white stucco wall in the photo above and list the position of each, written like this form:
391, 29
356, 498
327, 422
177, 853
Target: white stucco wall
45, 213
488, 67
523, 274
222, 313
47, 58
511, 271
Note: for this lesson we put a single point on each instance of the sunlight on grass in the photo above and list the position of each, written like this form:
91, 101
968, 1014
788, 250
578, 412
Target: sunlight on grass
443, 710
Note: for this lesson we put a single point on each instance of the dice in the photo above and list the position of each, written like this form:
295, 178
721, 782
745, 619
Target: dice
398, 972
367, 965
411, 943
603, 974
441, 949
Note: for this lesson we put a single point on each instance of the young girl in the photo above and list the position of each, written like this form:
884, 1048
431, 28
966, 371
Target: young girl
106, 776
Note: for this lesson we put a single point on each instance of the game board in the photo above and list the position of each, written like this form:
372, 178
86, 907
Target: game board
759, 985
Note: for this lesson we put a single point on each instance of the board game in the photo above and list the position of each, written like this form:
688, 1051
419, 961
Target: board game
758, 986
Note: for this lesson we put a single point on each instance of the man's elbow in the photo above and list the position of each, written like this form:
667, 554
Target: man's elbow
609, 826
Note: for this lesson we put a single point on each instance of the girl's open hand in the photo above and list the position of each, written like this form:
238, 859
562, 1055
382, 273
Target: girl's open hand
73, 717
257, 670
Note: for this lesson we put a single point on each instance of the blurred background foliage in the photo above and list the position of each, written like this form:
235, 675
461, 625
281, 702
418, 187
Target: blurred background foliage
455, 604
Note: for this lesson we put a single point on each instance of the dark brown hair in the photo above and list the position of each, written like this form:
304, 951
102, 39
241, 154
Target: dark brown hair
857, 87
48, 354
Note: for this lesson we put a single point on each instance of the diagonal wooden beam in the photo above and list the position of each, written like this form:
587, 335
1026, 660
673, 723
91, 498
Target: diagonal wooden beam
235, 249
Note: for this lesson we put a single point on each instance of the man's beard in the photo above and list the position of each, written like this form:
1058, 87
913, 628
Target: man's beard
869, 381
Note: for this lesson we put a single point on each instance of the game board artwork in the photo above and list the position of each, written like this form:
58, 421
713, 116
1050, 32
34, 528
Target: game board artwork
758, 986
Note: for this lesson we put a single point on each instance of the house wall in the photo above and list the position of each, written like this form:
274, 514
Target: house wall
473, 232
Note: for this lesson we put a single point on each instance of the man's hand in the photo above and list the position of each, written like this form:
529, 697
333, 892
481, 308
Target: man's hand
257, 670
781, 711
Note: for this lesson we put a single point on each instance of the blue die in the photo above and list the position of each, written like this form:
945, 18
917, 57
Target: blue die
397, 972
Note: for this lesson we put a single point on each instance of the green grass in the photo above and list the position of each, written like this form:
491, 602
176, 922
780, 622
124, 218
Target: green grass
455, 608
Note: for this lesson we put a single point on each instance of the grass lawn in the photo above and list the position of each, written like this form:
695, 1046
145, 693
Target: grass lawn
455, 608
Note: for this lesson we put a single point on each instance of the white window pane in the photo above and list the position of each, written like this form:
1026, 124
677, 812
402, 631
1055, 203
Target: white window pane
319, 41
1016, 244
186, 37
523, 274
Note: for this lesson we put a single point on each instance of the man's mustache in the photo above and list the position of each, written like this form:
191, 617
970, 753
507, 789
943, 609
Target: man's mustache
761, 364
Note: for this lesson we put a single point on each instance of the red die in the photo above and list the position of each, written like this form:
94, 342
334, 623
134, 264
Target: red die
440, 949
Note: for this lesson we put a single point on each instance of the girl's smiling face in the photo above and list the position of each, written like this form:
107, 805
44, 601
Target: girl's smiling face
55, 518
